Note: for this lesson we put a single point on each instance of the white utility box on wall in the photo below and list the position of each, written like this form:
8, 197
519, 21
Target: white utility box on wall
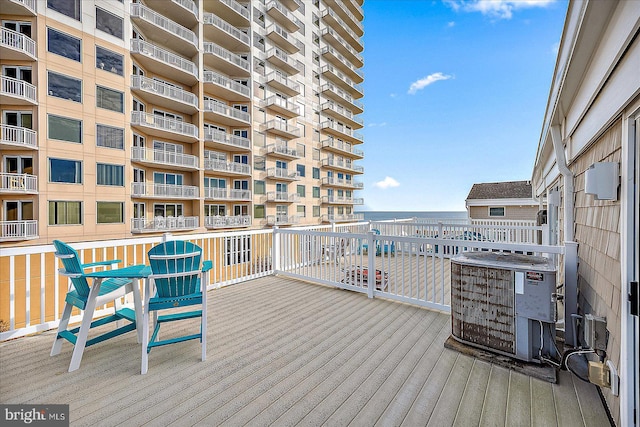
601, 180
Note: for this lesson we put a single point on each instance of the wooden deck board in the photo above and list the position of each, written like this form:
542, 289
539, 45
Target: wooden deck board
285, 352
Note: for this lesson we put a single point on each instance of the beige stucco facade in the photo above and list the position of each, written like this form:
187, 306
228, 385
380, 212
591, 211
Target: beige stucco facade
511, 213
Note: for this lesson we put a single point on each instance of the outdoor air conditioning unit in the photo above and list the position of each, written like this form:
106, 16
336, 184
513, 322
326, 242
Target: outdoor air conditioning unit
504, 303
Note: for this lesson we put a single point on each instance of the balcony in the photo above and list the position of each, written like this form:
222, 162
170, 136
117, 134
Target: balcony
165, 159
282, 106
225, 61
227, 221
283, 174
226, 141
292, 5
281, 128
354, 8
162, 224
331, 181
342, 114
343, 12
282, 151
163, 31
164, 95
337, 200
341, 131
164, 191
15, 46
283, 16
342, 217
14, 137
336, 58
332, 19
18, 230
282, 220
341, 165
284, 39
225, 168
164, 128
283, 61
282, 197
211, 193
18, 7
333, 92
184, 12
283, 84
226, 88
228, 36
164, 63
225, 114
17, 92
334, 39
331, 73
231, 11
18, 183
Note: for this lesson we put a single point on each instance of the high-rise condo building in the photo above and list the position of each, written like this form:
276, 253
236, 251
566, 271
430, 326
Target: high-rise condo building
132, 118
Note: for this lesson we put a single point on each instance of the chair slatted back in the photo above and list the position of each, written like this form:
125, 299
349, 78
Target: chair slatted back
72, 266
175, 267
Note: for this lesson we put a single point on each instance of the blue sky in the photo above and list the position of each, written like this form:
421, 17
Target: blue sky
455, 93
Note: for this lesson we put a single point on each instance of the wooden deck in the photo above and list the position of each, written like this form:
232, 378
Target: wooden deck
284, 352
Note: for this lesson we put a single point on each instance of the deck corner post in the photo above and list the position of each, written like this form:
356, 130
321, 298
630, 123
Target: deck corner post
276, 250
371, 263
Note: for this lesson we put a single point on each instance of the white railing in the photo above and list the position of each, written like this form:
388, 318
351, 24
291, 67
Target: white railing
343, 42
163, 89
214, 49
224, 166
19, 89
282, 196
343, 26
18, 230
278, 53
141, 154
330, 105
282, 219
237, 7
282, 126
342, 129
276, 77
218, 221
18, 41
19, 136
343, 77
141, 11
282, 173
141, 189
226, 110
282, 103
280, 8
162, 223
275, 28
163, 123
342, 217
29, 4
344, 10
282, 149
211, 19
18, 183
220, 80
342, 200
342, 94
162, 55
342, 146
336, 163
227, 138
190, 5
345, 62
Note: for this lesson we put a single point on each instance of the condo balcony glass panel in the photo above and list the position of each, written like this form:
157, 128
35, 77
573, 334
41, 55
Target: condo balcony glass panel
225, 61
19, 7
163, 30
226, 88
341, 130
167, 191
339, 146
282, 106
219, 139
231, 11
342, 165
282, 60
164, 127
284, 39
18, 230
225, 34
342, 200
281, 150
18, 183
184, 12
342, 114
162, 157
334, 21
282, 128
227, 168
164, 62
212, 193
282, 173
16, 46
283, 16
330, 36
225, 114
16, 136
17, 92
283, 84
164, 94
282, 219
164, 223
219, 221
282, 196
342, 217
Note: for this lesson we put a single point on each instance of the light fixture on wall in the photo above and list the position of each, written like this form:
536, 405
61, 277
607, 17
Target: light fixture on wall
601, 180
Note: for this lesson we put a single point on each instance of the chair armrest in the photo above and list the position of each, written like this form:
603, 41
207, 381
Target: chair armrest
206, 266
101, 263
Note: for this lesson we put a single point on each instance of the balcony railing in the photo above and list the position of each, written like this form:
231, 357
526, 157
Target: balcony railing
282, 150
18, 89
143, 189
341, 182
294, 87
342, 95
282, 196
282, 128
238, 8
342, 200
282, 173
149, 155
226, 110
163, 123
17, 41
30, 5
18, 183
214, 49
18, 230
223, 81
342, 217
211, 19
164, 90
290, 43
138, 10
282, 219
282, 105
339, 109
227, 139
327, 31
335, 163
285, 62
162, 223
342, 10
19, 136
341, 129
342, 26
224, 166
286, 18
218, 221
346, 64
152, 51
226, 194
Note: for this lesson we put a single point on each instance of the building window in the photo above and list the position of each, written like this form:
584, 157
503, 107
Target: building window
110, 137
301, 190
258, 211
109, 23
107, 174
64, 129
316, 211
70, 8
65, 213
110, 213
109, 61
316, 192
167, 209
316, 153
61, 170
315, 173
237, 250
300, 170
496, 211
63, 44
215, 210
259, 187
109, 99
64, 87
302, 211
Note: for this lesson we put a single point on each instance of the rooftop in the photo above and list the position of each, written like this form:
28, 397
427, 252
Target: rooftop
501, 190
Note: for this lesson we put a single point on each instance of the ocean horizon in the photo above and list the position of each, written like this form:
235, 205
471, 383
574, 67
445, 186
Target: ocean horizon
386, 215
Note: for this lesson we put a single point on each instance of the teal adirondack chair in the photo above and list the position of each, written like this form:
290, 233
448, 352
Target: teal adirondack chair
87, 298
180, 280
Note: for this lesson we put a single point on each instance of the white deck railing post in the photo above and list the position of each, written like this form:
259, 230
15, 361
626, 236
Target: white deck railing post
371, 263
570, 290
275, 248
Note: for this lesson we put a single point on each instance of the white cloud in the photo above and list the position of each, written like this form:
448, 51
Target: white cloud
387, 182
393, 95
381, 124
500, 9
451, 24
426, 81
555, 48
